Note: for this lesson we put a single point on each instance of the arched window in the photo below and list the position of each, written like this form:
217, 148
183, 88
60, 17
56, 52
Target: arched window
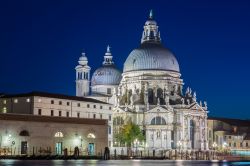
90, 135
24, 133
158, 121
150, 96
59, 134
118, 121
160, 95
114, 121
109, 130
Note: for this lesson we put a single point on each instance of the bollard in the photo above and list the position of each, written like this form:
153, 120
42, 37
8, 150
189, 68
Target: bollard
115, 153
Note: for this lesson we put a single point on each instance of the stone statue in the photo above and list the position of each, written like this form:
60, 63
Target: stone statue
182, 101
146, 86
187, 90
188, 101
131, 100
114, 91
200, 103
194, 97
119, 91
205, 103
118, 101
175, 88
166, 99
134, 90
158, 101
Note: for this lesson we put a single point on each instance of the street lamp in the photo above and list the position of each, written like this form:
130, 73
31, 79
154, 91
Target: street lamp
136, 142
214, 145
179, 144
214, 148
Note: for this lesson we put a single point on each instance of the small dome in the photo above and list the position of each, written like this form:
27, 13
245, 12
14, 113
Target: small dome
106, 75
151, 56
83, 60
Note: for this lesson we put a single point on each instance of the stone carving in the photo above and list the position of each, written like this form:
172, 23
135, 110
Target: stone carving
158, 101
182, 101
194, 97
205, 103
131, 100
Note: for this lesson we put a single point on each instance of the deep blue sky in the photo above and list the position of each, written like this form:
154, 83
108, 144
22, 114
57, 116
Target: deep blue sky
41, 41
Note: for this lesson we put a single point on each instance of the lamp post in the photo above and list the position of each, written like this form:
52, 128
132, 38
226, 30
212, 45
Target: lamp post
214, 148
214, 145
136, 142
179, 144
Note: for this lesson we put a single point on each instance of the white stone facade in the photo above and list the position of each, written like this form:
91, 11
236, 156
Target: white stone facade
47, 104
82, 76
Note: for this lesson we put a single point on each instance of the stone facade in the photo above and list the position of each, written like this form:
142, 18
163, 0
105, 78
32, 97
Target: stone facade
42, 135
48, 104
228, 134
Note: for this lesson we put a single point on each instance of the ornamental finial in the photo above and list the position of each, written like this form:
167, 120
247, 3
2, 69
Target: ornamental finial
83, 52
151, 14
108, 49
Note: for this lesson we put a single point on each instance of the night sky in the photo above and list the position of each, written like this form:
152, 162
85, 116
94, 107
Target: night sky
41, 41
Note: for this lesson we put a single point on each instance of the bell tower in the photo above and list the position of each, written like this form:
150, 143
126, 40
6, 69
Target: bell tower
82, 76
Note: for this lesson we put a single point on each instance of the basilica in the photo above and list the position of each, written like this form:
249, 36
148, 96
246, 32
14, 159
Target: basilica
149, 92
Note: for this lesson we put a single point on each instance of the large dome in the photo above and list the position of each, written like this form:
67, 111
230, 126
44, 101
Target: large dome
106, 75
151, 56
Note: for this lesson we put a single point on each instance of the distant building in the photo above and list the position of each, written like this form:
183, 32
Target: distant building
57, 105
231, 134
22, 134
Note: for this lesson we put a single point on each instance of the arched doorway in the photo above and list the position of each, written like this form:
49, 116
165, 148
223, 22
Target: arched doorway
91, 145
24, 143
59, 144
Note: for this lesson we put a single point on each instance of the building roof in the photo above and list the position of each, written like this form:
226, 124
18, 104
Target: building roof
234, 122
52, 119
53, 95
151, 56
106, 75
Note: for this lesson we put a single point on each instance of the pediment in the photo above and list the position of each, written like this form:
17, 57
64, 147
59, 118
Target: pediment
160, 109
196, 107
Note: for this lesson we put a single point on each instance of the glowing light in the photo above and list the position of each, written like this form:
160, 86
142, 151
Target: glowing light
76, 141
91, 135
59, 134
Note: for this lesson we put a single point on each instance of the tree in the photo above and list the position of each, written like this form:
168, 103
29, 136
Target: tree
128, 133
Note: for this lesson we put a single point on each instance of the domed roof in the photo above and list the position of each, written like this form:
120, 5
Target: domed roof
151, 56
83, 60
106, 75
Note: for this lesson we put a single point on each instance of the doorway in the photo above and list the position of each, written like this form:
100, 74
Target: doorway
59, 148
24, 147
91, 149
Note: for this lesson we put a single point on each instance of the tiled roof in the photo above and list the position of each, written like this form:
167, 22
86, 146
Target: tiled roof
234, 122
53, 95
